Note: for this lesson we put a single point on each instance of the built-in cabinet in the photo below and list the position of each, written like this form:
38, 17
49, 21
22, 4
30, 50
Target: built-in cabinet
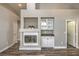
47, 41
47, 32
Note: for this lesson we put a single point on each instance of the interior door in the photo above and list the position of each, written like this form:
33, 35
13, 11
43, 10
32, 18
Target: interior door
73, 35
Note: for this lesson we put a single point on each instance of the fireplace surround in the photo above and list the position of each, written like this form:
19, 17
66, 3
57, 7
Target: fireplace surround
30, 38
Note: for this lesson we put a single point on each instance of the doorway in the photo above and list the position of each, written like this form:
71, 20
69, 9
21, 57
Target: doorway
71, 34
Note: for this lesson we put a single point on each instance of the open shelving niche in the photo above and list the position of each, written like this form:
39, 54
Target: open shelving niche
30, 22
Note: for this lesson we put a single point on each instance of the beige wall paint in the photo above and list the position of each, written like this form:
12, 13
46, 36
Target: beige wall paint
7, 18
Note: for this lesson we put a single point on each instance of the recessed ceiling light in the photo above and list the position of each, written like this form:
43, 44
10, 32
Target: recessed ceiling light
19, 5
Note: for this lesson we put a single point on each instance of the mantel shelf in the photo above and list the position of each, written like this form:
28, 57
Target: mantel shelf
33, 30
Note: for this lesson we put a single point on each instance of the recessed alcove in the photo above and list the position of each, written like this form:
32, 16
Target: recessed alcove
30, 22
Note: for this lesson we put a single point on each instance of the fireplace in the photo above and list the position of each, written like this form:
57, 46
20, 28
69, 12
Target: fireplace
30, 38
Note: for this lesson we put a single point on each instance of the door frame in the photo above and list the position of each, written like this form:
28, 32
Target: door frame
76, 33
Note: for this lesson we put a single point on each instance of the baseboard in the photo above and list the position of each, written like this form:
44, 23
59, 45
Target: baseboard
57, 47
8, 47
21, 48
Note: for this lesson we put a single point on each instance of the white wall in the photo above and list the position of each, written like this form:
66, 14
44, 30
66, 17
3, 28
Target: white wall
7, 18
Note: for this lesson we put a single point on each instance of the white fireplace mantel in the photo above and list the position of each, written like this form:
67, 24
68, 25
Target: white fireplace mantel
27, 30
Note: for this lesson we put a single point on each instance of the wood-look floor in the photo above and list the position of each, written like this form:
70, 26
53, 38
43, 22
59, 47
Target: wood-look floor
14, 51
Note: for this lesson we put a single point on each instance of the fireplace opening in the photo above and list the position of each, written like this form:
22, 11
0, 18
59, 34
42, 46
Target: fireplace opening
30, 39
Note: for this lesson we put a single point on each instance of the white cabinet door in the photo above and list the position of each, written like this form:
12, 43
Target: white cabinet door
44, 42
44, 24
50, 24
47, 41
50, 42
47, 24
